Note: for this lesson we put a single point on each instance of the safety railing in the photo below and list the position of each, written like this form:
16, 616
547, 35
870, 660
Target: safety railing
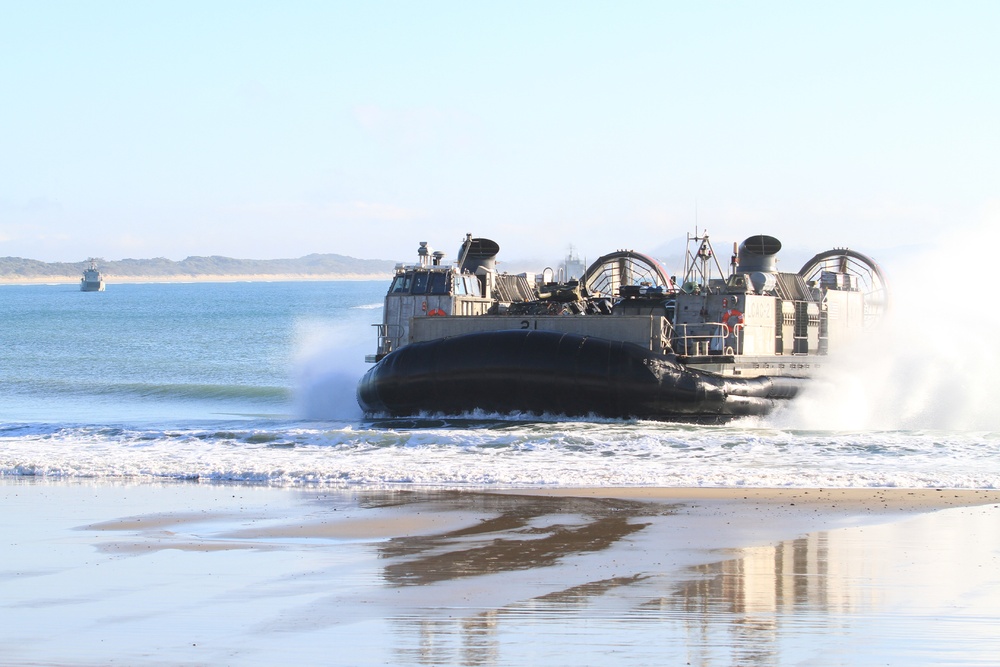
724, 340
387, 341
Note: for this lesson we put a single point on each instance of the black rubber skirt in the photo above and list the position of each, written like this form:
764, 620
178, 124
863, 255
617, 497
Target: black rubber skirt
558, 373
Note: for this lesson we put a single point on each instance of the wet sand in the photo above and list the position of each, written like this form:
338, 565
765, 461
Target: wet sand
186, 573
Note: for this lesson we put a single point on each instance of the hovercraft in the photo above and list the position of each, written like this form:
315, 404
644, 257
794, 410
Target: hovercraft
624, 340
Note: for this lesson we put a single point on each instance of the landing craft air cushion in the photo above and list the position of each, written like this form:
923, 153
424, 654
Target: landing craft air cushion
625, 340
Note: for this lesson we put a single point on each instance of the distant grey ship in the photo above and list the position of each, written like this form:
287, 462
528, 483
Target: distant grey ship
92, 280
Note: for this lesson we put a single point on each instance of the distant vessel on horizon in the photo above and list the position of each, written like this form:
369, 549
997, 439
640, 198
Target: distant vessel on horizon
92, 280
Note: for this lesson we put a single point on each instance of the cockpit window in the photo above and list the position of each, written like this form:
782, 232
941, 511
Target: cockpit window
438, 283
401, 284
472, 285
420, 282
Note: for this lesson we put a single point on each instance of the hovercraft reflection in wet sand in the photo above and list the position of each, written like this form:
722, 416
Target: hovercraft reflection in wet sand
622, 341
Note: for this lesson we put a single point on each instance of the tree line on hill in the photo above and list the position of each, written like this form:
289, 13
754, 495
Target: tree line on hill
310, 265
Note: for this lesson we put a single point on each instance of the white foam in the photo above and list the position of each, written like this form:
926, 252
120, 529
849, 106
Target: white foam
513, 455
329, 363
934, 363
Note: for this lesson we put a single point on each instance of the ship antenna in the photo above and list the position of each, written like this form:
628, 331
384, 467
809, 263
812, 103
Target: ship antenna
466, 247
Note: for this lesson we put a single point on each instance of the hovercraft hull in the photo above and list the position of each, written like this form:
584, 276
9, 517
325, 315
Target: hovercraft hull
558, 373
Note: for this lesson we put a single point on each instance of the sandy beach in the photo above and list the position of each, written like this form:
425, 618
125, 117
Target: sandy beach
101, 573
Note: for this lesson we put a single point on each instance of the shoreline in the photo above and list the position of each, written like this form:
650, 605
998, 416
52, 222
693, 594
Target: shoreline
262, 277
892, 498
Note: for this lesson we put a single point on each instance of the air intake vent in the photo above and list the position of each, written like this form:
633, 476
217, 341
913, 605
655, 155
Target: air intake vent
757, 253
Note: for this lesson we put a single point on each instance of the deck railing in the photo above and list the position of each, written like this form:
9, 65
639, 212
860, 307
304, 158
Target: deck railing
387, 341
705, 344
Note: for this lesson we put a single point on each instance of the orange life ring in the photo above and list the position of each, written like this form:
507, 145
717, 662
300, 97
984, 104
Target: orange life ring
730, 314
436, 312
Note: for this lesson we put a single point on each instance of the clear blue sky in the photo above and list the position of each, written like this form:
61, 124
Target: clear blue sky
278, 129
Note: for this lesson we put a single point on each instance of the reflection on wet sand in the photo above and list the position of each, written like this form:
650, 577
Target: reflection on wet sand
804, 599
480, 642
746, 598
525, 533
472, 578
794, 573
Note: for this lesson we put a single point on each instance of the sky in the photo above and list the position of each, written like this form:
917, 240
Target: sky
279, 129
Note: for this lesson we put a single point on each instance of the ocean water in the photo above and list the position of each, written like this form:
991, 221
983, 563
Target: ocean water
254, 382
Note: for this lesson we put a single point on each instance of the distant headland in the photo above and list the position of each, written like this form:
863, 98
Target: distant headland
16, 270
